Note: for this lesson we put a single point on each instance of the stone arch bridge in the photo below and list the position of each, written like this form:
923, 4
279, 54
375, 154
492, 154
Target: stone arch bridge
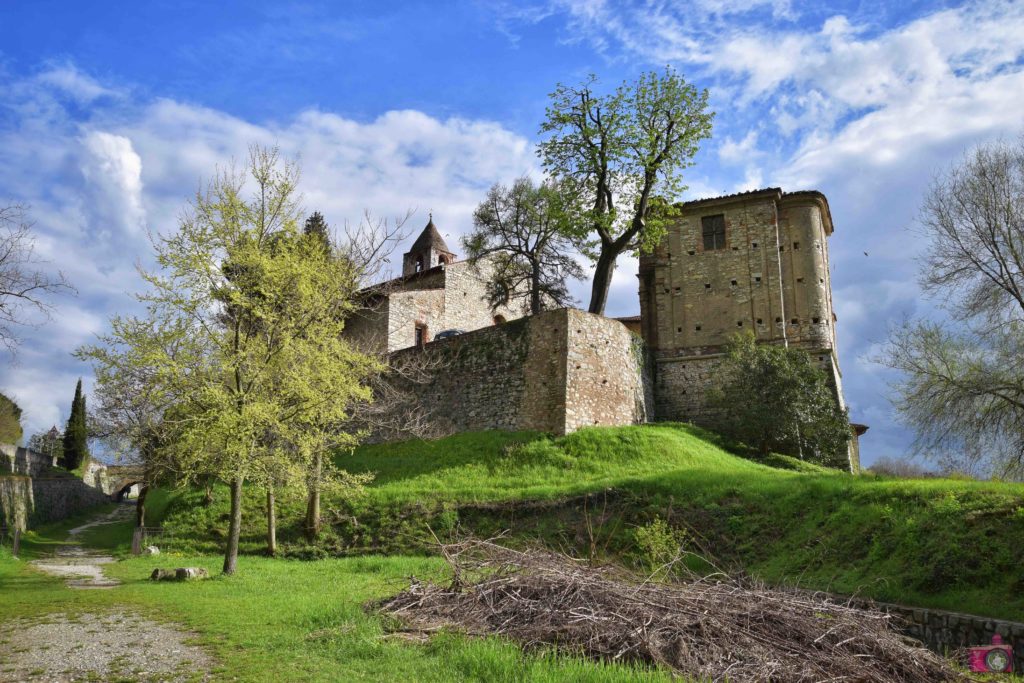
120, 479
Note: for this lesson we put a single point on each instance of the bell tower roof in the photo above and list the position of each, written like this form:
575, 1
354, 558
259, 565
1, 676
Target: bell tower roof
427, 251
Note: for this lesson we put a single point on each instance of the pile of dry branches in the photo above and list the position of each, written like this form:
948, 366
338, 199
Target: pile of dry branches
710, 630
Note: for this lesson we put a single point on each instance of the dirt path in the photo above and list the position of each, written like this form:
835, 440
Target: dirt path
80, 567
103, 646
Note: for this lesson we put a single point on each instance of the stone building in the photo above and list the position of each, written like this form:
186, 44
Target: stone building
435, 293
754, 261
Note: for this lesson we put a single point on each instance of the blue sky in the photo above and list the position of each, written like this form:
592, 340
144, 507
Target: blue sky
112, 113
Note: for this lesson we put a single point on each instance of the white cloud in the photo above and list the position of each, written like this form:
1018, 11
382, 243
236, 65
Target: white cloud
93, 185
67, 79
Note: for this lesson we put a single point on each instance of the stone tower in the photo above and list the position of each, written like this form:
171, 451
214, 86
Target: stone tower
429, 250
754, 261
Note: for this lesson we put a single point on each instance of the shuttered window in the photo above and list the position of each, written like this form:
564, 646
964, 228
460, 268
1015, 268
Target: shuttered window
713, 229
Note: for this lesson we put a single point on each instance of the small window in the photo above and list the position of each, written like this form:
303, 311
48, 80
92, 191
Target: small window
421, 334
753, 245
799, 279
757, 278
691, 252
796, 245
760, 321
794, 321
739, 323
679, 329
816, 321
678, 290
782, 248
697, 328
821, 280
713, 231
733, 283
419, 263
707, 285
779, 319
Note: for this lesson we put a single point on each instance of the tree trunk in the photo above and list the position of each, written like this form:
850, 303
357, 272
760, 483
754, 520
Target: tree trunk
602, 278
535, 285
271, 521
235, 527
313, 504
140, 506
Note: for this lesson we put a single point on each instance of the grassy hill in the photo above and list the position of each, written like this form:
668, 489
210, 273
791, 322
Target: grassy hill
623, 493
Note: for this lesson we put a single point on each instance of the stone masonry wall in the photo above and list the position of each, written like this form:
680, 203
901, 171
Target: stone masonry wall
26, 502
553, 372
17, 460
943, 632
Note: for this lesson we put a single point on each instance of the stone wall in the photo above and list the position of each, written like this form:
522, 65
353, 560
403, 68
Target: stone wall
16, 460
944, 632
554, 372
26, 502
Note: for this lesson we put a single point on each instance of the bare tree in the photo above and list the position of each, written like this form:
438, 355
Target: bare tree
24, 286
962, 385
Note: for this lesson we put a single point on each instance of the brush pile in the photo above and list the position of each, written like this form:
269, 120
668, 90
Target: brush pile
713, 630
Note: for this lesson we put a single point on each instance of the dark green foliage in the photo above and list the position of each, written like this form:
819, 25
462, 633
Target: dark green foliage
774, 398
521, 229
76, 434
10, 421
317, 228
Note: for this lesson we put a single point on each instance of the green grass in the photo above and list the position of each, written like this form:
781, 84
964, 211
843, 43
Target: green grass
939, 543
302, 621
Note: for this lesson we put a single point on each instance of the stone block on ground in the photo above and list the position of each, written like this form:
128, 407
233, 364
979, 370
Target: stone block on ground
179, 574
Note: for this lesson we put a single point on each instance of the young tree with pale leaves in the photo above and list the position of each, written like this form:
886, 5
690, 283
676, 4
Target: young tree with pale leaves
242, 335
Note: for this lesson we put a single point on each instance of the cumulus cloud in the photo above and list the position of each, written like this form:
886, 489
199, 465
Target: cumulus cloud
98, 182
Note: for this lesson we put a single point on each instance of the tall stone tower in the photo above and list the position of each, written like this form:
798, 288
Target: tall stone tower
429, 250
754, 261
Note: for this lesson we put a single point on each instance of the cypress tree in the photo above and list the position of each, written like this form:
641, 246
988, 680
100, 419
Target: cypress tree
76, 448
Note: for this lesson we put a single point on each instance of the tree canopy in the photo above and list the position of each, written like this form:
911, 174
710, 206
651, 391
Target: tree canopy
241, 351
75, 451
961, 385
10, 421
622, 154
773, 398
25, 286
520, 232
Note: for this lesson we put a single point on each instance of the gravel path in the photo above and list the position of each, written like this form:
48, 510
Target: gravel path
60, 648
81, 568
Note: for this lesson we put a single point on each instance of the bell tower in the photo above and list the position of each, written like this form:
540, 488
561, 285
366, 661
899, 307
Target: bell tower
428, 251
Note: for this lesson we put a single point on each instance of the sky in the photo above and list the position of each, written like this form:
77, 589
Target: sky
113, 114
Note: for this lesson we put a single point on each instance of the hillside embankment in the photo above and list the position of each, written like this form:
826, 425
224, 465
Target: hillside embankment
631, 494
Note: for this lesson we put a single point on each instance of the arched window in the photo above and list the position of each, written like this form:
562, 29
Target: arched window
442, 260
419, 263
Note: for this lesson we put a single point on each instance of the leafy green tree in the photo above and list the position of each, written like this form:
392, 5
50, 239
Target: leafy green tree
774, 398
520, 231
961, 384
10, 421
242, 336
623, 154
76, 433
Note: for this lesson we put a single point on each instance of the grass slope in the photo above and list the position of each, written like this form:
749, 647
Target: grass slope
941, 543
